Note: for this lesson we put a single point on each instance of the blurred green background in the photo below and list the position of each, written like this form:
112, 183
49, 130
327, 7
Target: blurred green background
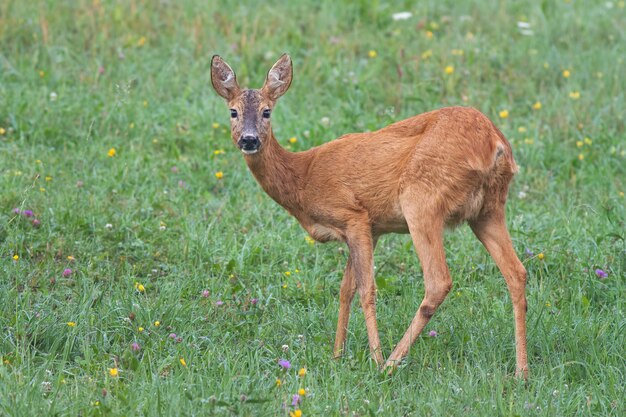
111, 135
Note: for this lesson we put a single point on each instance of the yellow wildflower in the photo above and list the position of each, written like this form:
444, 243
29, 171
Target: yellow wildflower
219, 175
157, 323
141, 288
581, 156
295, 413
537, 105
302, 372
278, 382
449, 69
302, 392
521, 129
48, 178
218, 152
529, 141
141, 41
293, 140
131, 125
16, 257
541, 256
457, 52
427, 54
548, 304
588, 141
287, 273
566, 73
504, 114
215, 125
140, 329
182, 362
2, 131
71, 323
112, 152
372, 54
429, 34
309, 240
574, 95
579, 143
42, 74
114, 372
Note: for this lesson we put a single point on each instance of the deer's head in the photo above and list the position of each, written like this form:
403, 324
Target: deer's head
250, 110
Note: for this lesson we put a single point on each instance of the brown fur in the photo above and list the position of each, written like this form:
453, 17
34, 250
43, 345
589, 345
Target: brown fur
415, 176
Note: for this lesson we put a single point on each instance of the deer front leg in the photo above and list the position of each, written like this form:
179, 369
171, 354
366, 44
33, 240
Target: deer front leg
346, 294
361, 245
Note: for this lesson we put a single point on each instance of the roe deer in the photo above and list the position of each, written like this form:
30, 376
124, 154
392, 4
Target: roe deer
417, 175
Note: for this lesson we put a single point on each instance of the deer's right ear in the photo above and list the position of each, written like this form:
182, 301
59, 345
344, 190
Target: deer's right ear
223, 78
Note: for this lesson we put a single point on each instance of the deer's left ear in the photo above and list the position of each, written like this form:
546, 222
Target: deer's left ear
279, 78
223, 78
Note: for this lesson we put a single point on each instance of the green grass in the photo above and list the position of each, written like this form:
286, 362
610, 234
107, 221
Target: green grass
178, 230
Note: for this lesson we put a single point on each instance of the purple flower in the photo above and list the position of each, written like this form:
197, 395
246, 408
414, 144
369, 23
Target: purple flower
174, 169
432, 333
172, 336
67, 272
28, 213
205, 293
601, 274
254, 301
36, 223
16, 210
529, 253
135, 347
295, 400
284, 363
219, 303
101, 70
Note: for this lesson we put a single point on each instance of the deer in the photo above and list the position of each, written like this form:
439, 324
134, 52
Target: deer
420, 176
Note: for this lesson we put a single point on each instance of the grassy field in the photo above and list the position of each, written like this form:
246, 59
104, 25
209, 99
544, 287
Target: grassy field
144, 272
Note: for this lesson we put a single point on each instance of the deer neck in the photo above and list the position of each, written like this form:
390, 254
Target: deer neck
279, 172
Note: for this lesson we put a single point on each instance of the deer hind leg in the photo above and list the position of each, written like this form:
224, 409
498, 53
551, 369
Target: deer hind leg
492, 232
426, 230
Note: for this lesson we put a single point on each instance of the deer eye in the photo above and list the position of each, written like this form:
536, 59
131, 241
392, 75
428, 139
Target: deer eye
266, 113
233, 113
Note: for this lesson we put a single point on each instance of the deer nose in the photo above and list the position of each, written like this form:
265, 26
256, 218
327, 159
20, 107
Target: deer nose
249, 143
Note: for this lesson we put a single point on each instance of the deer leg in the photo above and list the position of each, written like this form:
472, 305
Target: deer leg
361, 246
427, 234
492, 232
346, 295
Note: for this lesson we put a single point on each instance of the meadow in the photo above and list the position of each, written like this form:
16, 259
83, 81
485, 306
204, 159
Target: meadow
144, 272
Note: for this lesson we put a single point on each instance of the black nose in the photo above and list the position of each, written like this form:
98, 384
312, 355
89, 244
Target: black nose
249, 143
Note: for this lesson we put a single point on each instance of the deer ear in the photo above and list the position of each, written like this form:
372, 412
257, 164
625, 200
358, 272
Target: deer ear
279, 78
223, 78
